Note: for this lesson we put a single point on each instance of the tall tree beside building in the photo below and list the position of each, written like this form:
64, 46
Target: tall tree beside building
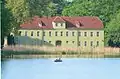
7, 21
113, 31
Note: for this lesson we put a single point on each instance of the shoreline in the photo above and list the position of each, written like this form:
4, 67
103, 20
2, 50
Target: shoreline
50, 52
59, 56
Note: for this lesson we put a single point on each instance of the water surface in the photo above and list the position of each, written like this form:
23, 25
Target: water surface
70, 68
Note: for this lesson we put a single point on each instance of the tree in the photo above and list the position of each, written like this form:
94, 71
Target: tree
101, 8
19, 9
7, 22
60, 4
113, 31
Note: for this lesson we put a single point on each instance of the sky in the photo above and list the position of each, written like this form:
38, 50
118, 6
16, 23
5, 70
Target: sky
72, 68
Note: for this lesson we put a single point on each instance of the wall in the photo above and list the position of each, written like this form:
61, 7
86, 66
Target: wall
38, 40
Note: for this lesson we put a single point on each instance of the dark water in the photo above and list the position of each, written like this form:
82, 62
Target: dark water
73, 68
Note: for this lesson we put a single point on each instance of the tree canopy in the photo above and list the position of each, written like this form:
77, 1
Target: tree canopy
101, 8
113, 31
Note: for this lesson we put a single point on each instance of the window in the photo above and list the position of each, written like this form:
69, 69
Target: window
25, 33
85, 43
37, 33
97, 43
20, 33
66, 41
79, 33
61, 33
55, 33
56, 24
73, 41
61, 24
50, 33
43, 33
79, 44
97, 34
32, 33
91, 43
91, 34
73, 33
66, 33
85, 33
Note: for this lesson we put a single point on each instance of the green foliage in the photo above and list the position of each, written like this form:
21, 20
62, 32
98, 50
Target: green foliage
7, 22
60, 4
100, 8
19, 9
113, 31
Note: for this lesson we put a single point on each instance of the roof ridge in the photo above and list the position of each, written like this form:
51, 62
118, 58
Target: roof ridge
61, 19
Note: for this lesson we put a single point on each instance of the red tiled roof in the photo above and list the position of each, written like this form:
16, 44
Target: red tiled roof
58, 19
86, 22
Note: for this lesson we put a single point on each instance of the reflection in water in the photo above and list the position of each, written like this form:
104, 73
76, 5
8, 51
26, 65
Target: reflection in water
73, 68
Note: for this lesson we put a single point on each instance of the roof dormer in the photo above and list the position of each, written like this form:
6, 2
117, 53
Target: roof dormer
58, 22
40, 24
78, 24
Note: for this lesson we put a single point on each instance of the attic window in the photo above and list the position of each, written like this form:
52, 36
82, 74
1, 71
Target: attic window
56, 24
79, 24
40, 24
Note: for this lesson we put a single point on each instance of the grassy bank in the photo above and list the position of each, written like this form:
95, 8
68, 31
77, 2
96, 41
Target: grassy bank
53, 52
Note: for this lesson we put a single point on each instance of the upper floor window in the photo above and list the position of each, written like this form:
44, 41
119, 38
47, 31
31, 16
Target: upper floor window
56, 33
61, 33
85, 33
79, 33
91, 34
32, 33
73, 33
20, 33
66, 33
97, 33
50, 33
56, 24
38, 33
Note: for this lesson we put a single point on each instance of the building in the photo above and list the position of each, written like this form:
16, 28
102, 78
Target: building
86, 31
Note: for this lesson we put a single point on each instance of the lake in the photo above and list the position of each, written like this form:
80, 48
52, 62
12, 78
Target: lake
70, 68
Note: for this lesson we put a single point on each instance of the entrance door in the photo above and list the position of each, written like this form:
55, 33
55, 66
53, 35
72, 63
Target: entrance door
58, 43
